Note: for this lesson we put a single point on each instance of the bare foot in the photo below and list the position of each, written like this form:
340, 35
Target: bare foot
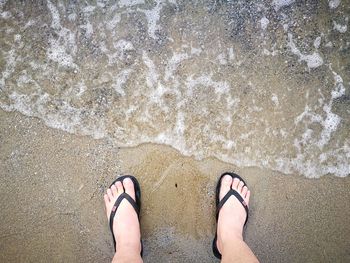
232, 215
126, 226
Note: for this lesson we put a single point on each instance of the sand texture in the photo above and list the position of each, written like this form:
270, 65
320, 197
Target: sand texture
52, 185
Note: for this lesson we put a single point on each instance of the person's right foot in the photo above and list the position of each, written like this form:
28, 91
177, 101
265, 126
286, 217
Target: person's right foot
126, 226
232, 215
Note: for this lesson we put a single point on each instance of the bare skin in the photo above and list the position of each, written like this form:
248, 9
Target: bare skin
230, 224
126, 226
232, 216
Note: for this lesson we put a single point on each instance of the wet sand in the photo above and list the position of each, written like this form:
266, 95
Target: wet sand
52, 183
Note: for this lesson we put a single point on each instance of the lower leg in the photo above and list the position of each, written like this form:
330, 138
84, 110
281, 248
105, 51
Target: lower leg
237, 251
127, 255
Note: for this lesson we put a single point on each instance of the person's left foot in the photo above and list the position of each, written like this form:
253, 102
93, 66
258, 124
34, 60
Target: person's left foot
126, 226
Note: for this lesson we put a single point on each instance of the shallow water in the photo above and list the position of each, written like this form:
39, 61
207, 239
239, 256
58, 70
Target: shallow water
252, 83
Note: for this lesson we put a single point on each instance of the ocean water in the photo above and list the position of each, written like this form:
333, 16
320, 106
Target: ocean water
253, 83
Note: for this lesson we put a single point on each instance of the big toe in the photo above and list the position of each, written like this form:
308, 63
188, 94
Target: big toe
129, 187
226, 183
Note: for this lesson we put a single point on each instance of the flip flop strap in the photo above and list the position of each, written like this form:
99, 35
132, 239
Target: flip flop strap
226, 197
116, 205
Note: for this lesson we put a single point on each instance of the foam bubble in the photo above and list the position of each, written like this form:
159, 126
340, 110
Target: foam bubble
317, 42
6, 15
278, 4
88, 29
152, 76
111, 24
274, 99
129, 3
333, 3
120, 80
340, 28
313, 60
264, 22
174, 62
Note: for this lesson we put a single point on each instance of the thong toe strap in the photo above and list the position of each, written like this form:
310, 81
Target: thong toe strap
226, 197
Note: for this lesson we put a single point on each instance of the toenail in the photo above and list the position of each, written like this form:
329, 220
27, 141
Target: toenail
127, 181
227, 179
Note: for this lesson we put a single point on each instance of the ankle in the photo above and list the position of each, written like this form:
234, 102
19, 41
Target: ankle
127, 246
234, 232
226, 239
225, 244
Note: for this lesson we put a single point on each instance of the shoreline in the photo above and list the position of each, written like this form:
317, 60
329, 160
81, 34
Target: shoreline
60, 179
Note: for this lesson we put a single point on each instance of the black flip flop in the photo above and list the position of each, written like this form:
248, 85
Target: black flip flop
220, 204
136, 205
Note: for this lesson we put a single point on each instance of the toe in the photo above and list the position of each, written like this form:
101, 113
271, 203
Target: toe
247, 197
226, 183
235, 184
109, 193
119, 187
129, 187
240, 187
244, 191
114, 190
106, 198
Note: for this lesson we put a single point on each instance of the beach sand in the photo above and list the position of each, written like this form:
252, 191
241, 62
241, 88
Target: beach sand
52, 210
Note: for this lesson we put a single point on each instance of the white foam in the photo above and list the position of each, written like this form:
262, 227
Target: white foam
88, 29
66, 119
231, 54
340, 28
29, 23
195, 51
333, 3
273, 51
278, 4
329, 123
152, 17
9, 68
72, 17
222, 59
55, 23
313, 60
2, 3
317, 42
120, 80
57, 51
264, 22
339, 89
123, 45
173, 63
220, 87
111, 24
329, 44
89, 9
6, 15
274, 99
123, 49
130, 3
152, 76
